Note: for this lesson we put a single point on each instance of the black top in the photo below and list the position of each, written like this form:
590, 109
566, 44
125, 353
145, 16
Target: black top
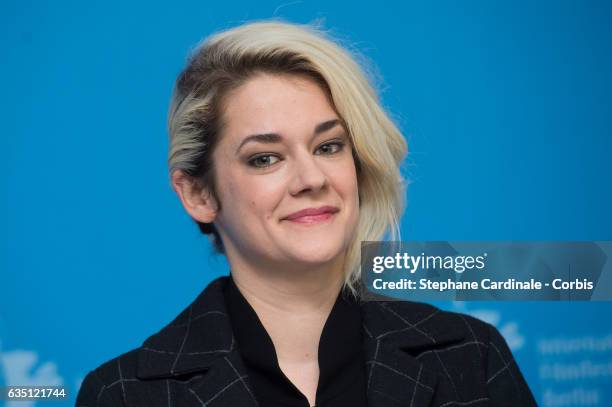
341, 358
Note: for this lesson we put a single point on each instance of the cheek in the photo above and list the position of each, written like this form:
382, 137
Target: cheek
345, 181
252, 196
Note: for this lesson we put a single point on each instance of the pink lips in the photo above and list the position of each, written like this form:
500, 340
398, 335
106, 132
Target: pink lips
313, 215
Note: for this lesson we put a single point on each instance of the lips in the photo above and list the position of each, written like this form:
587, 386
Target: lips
322, 212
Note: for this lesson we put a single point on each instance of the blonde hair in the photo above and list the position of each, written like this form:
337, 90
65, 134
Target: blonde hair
226, 60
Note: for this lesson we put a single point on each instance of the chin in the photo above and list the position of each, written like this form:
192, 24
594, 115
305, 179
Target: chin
317, 254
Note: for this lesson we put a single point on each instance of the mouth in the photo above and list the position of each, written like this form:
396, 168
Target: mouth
313, 215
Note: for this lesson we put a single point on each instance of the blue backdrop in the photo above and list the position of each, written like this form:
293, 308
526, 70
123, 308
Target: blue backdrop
507, 108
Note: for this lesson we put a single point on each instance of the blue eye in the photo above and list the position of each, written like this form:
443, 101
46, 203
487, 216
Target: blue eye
263, 161
332, 147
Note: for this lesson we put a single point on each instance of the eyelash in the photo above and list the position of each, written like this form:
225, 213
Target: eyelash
252, 160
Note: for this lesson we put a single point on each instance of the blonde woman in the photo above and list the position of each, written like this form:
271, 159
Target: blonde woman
282, 154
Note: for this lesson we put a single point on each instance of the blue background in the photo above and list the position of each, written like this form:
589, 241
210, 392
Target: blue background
507, 108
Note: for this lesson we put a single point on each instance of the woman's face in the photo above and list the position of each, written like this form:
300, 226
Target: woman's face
283, 150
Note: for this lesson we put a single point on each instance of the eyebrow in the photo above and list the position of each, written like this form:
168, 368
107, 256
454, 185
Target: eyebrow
270, 138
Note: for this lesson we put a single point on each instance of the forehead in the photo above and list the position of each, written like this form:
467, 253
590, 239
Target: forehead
275, 103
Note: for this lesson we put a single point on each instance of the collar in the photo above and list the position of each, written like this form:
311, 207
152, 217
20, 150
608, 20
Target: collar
339, 350
193, 341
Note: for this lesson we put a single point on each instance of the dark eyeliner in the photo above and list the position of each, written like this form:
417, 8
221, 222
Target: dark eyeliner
339, 142
251, 160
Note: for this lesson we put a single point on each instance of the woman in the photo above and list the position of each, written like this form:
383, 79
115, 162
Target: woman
281, 153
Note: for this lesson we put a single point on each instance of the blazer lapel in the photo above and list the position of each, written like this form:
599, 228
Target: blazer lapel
197, 354
395, 333
225, 384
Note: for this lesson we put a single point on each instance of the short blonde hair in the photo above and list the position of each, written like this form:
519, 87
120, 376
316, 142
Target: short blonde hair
226, 60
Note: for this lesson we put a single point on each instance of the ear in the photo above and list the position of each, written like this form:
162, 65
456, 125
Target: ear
199, 203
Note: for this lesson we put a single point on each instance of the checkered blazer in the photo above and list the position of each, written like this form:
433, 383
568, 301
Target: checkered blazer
415, 355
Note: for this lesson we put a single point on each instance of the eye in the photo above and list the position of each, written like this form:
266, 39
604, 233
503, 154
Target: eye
331, 147
263, 161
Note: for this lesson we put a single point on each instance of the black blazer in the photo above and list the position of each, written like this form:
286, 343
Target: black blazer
416, 355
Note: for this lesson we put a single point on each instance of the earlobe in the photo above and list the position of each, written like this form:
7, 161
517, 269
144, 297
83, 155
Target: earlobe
198, 202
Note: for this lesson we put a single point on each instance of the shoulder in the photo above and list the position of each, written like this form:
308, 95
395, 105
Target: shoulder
423, 323
469, 356
448, 330
119, 381
144, 375
105, 385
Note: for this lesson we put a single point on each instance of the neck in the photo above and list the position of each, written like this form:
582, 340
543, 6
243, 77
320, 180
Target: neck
291, 291
292, 306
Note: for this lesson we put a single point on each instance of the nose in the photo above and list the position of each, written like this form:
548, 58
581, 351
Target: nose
307, 175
